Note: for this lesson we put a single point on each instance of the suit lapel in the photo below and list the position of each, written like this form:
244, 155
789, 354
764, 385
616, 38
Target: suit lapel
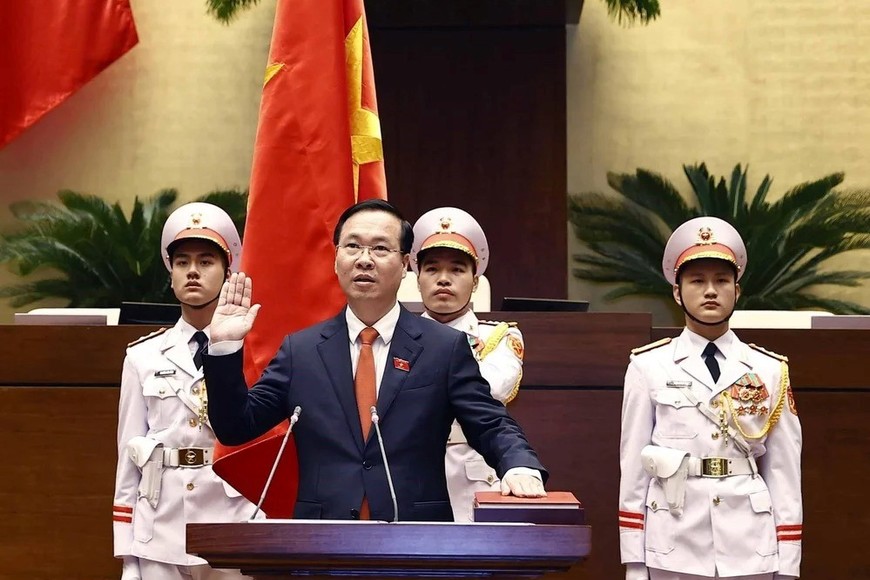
404, 346
335, 354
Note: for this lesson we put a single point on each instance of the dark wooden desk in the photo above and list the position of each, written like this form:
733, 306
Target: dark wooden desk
58, 417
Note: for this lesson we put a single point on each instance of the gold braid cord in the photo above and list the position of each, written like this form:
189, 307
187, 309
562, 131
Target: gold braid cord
499, 333
774, 416
516, 389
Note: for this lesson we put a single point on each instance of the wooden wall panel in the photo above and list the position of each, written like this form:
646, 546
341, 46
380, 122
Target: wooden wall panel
58, 456
475, 118
57, 441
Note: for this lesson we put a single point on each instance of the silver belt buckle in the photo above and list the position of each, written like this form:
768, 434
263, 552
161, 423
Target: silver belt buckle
714, 467
190, 457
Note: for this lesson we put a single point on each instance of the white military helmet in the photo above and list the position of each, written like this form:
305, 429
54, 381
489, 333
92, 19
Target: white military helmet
703, 237
201, 221
450, 227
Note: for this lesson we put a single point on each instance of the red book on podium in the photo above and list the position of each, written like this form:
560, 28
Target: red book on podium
558, 508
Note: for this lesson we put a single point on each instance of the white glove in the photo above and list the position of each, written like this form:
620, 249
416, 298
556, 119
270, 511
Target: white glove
636, 571
130, 570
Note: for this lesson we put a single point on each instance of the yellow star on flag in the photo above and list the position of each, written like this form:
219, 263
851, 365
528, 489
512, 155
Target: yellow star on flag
365, 128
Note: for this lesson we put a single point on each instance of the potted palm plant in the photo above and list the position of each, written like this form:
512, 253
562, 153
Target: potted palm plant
790, 242
96, 256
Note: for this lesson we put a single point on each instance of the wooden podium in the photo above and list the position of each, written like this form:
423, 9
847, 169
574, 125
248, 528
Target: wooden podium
270, 549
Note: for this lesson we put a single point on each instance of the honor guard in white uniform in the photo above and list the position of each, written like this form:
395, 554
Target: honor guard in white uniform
449, 255
710, 450
164, 477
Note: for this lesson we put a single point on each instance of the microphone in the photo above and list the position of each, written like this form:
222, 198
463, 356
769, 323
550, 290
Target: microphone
293, 418
376, 423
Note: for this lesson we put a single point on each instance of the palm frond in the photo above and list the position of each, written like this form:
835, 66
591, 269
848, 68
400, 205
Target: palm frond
226, 10
788, 242
631, 11
232, 201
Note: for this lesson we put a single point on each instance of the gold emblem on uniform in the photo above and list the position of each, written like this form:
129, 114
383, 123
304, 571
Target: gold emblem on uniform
749, 392
705, 236
791, 404
195, 220
516, 345
446, 225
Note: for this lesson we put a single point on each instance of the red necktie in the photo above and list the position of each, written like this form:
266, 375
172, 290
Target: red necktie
365, 389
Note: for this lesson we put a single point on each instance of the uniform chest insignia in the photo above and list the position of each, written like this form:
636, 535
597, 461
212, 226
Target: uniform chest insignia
679, 384
164, 373
476, 345
750, 393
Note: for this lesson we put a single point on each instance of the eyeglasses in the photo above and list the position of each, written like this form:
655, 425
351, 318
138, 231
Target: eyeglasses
352, 250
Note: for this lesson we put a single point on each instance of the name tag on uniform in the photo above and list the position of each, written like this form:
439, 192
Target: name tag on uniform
679, 384
165, 373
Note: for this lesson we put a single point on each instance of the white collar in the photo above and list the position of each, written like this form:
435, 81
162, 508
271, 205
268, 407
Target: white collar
466, 323
385, 326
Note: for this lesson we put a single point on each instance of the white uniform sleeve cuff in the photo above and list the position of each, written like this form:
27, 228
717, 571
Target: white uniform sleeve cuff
524, 471
225, 347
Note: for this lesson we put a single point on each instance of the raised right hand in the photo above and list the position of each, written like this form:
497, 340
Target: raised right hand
234, 315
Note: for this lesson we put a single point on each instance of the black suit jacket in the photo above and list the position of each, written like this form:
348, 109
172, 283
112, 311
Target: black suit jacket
312, 369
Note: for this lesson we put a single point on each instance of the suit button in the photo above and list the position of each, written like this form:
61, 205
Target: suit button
715, 435
354, 514
192, 422
717, 500
190, 487
367, 465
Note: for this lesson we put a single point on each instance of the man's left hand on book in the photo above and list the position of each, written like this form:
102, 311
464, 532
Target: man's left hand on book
522, 485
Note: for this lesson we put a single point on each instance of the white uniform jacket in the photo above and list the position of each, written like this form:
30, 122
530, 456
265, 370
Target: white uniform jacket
730, 526
499, 351
160, 400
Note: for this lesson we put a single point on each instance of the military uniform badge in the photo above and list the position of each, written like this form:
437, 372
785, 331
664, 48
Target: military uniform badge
476, 345
791, 404
750, 394
516, 345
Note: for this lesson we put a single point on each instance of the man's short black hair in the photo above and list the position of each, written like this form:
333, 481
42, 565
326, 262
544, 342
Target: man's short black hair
173, 246
406, 238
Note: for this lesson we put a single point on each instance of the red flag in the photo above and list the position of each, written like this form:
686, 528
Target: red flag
318, 150
48, 50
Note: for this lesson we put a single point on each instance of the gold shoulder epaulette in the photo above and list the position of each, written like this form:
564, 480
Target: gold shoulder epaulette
147, 337
651, 346
496, 323
769, 353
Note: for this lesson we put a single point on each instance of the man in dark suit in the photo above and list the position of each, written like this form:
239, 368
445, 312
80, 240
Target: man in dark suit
420, 374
